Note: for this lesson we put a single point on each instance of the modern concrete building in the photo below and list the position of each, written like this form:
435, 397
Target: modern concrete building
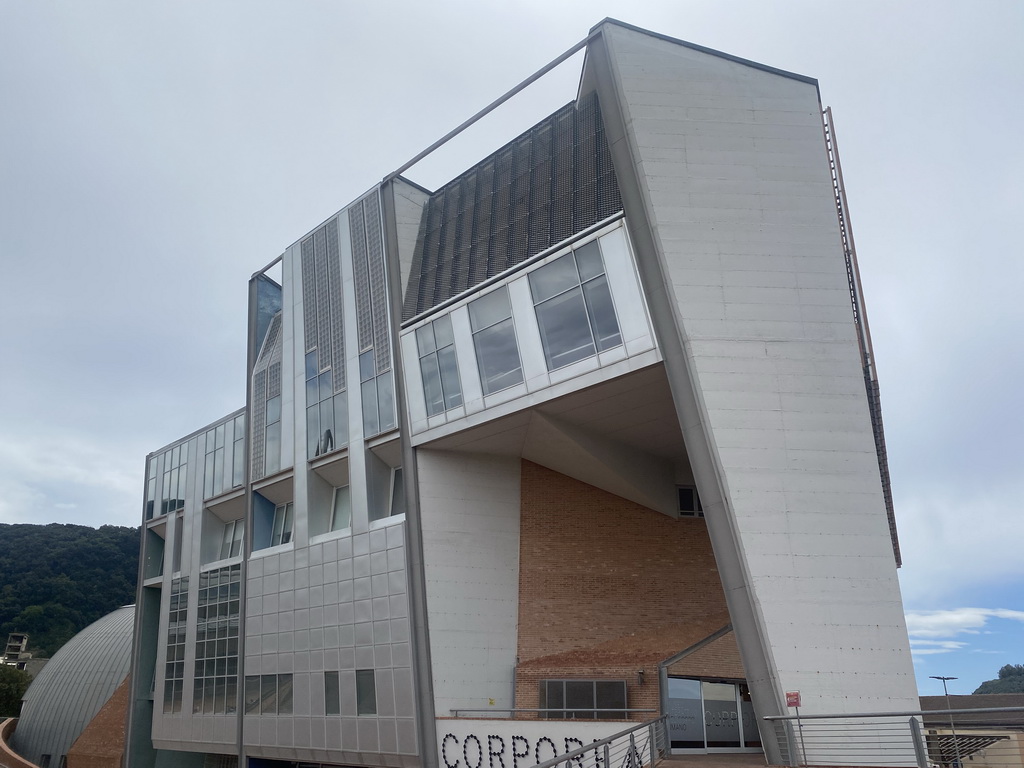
590, 433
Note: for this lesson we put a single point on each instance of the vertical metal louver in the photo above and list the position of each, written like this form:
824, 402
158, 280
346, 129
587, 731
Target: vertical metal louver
538, 190
333, 280
371, 280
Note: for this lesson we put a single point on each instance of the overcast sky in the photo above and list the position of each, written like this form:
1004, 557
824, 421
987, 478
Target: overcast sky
153, 155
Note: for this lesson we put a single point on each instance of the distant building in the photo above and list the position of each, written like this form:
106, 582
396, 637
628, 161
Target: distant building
16, 654
589, 434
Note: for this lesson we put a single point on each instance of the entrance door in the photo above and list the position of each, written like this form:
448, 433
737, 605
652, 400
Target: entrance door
706, 716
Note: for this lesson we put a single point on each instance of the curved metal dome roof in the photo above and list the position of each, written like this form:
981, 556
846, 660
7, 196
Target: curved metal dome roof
68, 692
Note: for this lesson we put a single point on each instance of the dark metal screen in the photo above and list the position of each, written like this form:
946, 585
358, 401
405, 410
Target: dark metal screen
542, 187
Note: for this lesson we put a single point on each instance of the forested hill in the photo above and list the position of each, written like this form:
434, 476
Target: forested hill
56, 579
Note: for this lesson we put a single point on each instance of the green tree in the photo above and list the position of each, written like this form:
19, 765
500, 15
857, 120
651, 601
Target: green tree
1010, 680
13, 684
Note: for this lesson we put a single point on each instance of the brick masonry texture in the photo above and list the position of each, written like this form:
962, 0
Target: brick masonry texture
608, 587
101, 744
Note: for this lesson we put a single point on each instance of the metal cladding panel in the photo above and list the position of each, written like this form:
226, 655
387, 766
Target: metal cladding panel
259, 418
553, 181
308, 294
364, 316
73, 686
337, 315
323, 300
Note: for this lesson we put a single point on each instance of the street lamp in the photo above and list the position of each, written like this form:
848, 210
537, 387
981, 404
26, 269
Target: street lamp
956, 747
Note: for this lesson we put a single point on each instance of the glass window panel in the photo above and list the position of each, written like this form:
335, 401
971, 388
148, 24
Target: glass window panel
602, 313
555, 690
252, 694
554, 278
312, 367
397, 493
489, 309
236, 541
239, 426
610, 694
588, 259
274, 409
579, 698
386, 401
366, 692
721, 719
326, 385
425, 339
268, 694
231, 696
289, 511
312, 391
327, 441
367, 368
565, 329
341, 515
498, 357
220, 435
443, 331
219, 692
278, 526
225, 545
332, 693
371, 418
312, 431
449, 369
751, 736
685, 714
432, 393
340, 420
208, 477
208, 697
273, 455
284, 694
238, 464
218, 470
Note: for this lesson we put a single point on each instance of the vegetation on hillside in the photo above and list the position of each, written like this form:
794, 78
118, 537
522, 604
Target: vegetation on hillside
57, 579
1010, 680
13, 684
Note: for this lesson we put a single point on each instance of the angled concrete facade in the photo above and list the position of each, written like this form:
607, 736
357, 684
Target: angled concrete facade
587, 435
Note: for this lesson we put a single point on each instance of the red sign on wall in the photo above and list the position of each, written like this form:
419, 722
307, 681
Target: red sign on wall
792, 698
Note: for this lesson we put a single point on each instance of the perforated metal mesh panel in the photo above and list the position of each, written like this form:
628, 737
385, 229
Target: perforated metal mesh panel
378, 286
539, 189
259, 423
308, 294
364, 317
333, 280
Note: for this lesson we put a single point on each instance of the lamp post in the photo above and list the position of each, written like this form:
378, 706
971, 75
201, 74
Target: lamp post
956, 747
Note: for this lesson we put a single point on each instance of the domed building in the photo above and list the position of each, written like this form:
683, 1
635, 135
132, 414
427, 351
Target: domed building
78, 684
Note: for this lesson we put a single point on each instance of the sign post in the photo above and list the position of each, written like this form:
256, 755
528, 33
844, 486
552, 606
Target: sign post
793, 700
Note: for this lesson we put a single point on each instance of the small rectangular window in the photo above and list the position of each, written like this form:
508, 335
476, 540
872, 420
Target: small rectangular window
438, 365
583, 699
332, 693
494, 338
366, 692
341, 510
689, 502
282, 527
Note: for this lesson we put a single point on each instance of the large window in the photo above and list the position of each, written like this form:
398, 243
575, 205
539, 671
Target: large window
326, 410
583, 699
574, 307
215, 690
282, 527
268, 694
225, 454
174, 666
440, 369
231, 544
494, 337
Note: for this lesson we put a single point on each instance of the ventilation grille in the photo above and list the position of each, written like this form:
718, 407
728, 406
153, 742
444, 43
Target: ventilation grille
541, 188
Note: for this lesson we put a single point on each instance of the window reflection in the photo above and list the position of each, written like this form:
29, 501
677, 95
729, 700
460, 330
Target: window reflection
494, 338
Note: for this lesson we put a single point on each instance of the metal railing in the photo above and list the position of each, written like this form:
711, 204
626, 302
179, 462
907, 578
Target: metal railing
640, 746
987, 738
557, 713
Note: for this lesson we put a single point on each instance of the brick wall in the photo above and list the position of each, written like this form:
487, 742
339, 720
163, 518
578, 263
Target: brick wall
101, 744
608, 588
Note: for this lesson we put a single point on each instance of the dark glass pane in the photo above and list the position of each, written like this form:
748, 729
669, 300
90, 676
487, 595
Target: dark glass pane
238, 464
371, 423
367, 369
490, 309
555, 699
268, 694
449, 369
554, 278
312, 431
332, 693
326, 385
220, 439
611, 694
284, 694
685, 714
443, 331
327, 441
398, 493
386, 401
342, 513
579, 699
425, 339
565, 329
432, 393
274, 409
340, 420
312, 367
273, 455
312, 391
252, 694
366, 692
498, 357
602, 313
588, 259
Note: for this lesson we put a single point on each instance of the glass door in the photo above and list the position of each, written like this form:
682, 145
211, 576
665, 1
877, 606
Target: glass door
710, 716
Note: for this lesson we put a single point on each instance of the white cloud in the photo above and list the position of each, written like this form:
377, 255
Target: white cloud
953, 622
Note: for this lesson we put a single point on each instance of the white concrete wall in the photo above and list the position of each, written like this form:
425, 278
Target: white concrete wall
732, 170
469, 506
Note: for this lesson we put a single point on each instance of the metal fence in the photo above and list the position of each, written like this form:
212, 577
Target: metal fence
958, 738
640, 746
